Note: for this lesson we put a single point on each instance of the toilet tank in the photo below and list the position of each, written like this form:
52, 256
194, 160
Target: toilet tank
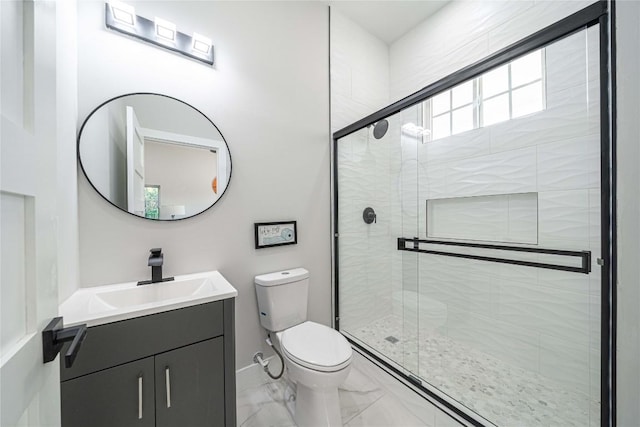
282, 298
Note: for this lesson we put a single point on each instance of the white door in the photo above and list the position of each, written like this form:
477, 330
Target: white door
29, 389
135, 164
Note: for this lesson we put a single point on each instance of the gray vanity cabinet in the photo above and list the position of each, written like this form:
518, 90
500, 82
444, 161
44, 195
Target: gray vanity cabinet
121, 396
190, 385
170, 369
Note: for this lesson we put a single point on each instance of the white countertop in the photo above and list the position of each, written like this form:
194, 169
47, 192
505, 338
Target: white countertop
111, 303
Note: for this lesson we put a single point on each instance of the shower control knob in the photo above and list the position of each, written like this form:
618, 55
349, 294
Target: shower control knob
369, 215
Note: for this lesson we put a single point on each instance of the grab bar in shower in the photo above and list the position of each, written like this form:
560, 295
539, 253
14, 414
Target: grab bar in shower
585, 256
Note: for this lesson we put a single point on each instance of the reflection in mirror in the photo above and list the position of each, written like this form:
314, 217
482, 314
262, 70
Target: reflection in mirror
154, 156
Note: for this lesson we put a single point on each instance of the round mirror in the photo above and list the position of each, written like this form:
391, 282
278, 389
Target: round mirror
154, 156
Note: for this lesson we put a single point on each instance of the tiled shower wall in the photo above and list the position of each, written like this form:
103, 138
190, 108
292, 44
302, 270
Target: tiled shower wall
360, 86
359, 72
365, 177
464, 32
544, 321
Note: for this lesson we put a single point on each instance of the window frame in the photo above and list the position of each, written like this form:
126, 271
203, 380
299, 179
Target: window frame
478, 100
157, 187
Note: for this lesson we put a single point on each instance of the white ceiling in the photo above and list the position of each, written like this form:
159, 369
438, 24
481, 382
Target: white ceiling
387, 19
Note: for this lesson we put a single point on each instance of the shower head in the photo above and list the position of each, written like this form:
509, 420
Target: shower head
380, 128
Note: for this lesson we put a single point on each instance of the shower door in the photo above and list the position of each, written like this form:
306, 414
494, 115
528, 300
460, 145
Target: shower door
512, 161
477, 272
375, 170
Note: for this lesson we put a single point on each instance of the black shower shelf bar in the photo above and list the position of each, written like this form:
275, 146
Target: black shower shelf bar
585, 256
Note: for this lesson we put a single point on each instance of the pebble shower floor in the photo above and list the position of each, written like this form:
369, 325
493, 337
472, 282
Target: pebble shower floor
475, 378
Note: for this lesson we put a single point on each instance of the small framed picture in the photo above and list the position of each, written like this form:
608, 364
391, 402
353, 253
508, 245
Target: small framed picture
269, 234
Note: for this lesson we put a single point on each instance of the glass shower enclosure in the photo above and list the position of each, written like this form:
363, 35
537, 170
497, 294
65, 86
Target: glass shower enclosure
469, 234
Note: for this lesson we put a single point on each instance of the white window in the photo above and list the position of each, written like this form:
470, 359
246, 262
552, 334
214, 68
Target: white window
512, 90
453, 111
507, 92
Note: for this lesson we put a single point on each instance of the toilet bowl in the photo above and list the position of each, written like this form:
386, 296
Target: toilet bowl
317, 358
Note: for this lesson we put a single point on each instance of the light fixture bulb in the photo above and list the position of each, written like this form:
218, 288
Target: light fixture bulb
122, 12
201, 43
165, 29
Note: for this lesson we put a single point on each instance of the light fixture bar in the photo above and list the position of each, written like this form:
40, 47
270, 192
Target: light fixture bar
158, 32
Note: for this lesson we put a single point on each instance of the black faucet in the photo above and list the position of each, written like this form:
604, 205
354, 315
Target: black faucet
155, 262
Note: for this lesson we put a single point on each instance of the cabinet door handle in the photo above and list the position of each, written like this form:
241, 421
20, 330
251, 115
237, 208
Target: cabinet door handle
167, 379
140, 397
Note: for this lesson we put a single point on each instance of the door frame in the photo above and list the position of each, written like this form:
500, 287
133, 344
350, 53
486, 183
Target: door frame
219, 147
135, 160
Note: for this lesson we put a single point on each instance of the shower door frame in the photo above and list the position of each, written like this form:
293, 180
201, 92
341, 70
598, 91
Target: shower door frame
603, 13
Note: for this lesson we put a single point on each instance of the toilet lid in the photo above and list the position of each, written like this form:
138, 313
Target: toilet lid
316, 347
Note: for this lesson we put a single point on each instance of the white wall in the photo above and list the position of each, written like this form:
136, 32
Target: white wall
166, 114
359, 72
184, 175
463, 32
628, 144
268, 94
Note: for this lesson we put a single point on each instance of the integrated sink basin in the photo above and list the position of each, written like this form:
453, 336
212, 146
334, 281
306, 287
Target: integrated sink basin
158, 292
110, 303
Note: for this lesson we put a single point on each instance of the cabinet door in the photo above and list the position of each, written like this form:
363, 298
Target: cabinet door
122, 396
190, 385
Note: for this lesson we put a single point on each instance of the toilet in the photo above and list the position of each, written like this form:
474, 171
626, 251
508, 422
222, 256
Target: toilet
317, 357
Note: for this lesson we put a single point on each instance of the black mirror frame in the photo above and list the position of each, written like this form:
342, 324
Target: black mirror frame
118, 207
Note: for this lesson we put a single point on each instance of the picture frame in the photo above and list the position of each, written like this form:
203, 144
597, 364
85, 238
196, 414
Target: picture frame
279, 233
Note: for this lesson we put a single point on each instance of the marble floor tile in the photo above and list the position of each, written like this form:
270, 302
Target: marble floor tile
385, 412
367, 398
414, 403
272, 414
444, 420
357, 394
260, 400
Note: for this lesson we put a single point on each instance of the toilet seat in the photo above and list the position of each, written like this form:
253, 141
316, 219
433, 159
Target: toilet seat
316, 347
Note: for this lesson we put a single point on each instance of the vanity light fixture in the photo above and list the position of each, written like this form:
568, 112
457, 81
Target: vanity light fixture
165, 30
122, 18
123, 13
201, 43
